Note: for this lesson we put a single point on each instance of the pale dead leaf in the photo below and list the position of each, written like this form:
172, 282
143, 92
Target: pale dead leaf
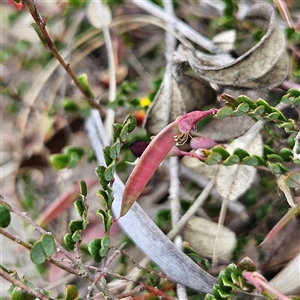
286, 190
201, 234
233, 181
94, 14
264, 65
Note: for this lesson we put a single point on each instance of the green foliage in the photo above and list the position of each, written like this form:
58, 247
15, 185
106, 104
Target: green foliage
230, 280
77, 227
71, 292
71, 107
292, 97
4, 216
258, 109
106, 173
70, 158
98, 248
83, 79
122, 97
42, 249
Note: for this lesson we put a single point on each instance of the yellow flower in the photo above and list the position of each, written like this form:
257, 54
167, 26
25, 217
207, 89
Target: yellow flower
145, 101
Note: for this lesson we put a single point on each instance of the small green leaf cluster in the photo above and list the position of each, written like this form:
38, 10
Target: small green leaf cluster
72, 292
83, 79
219, 155
293, 34
258, 109
42, 249
292, 97
17, 293
69, 158
111, 153
71, 107
230, 281
76, 227
123, 94
98, 248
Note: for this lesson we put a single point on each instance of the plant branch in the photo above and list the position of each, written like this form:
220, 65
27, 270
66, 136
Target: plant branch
83, 270
21, 285
41, 24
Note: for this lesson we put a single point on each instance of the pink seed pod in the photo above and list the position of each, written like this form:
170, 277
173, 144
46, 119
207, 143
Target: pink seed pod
154, 154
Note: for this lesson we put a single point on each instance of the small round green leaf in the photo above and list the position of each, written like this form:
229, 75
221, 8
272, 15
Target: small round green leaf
94, 248
74, 160
103, 251
73, 149
70, 106
124, 133
105, 242
286, 154
19, 294
48, 244
241, 153
4, 216
103, 195
237, 113
131, 121
76, 236
223, 152
100, 173
80, 207
273, 116
59, 161
243, 107
109, 172
276, 167
117, 130
259, 110
76, 225
244, 99
224, 112
115, 150
83, 188
260, 160
69, 243
266, 105
231, 160
37, 253
106, 153
274, 157
213, 158
83, 79
250, 161
72, 292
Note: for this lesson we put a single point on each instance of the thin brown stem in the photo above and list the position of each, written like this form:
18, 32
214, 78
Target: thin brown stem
76, 262
21, 285
41, 23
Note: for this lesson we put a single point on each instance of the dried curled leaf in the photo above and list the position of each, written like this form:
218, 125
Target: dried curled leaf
201, 235
264, 65
188, 93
